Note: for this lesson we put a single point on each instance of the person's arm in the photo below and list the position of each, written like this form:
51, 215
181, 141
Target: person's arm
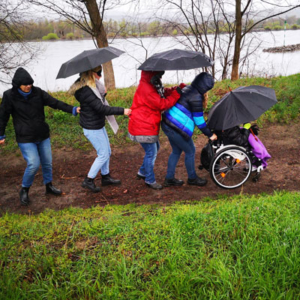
168, 91
154, 100
198, 116
5, 112
57, 104
96, 104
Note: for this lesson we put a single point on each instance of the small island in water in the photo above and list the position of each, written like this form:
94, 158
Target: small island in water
288, 48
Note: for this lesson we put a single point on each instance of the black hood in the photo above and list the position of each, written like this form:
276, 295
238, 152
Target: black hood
203, 82
21, 77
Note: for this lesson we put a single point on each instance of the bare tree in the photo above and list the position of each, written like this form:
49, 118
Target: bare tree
201, 25
242, 25
218, 27
14, 51
87, 15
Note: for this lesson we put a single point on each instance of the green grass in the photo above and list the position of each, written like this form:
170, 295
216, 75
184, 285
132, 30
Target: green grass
230, 248
66, 132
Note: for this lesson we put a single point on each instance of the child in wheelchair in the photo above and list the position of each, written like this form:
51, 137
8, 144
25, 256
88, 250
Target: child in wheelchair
245, 137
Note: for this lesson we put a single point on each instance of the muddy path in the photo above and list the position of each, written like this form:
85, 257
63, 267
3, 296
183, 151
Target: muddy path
70, 168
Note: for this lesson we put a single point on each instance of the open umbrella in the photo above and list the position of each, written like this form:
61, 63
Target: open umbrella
88, 60
244, 104
176, 59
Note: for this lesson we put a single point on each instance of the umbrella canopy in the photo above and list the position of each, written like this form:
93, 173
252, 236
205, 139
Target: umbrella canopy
88, 60
176, 59
243, 105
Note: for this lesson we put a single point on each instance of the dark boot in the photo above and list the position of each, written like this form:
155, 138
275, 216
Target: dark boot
24, 198
90, 184
197, 181
50, 189
173, 182
107, 180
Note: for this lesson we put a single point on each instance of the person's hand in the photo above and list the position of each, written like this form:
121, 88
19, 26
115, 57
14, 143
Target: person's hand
78, 110
178, 90
127, 111
2, 142
213, 137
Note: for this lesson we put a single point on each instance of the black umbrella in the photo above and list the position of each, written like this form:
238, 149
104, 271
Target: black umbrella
88, 60
176, 59
244, 104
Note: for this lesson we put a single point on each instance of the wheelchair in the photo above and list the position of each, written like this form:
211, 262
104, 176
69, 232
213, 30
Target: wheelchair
230, 166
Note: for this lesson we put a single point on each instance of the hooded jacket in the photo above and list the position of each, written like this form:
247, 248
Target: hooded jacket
147, 107
188, 111
28, 113
92, 108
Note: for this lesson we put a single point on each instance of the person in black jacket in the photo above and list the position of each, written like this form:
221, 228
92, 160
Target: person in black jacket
94, 108
178, 124
26, 103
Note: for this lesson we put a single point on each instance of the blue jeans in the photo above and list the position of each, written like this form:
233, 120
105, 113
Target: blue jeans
147, 167
36, 154
99, 140
179, 144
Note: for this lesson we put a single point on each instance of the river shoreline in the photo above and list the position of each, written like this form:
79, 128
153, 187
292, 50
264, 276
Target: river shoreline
289, 48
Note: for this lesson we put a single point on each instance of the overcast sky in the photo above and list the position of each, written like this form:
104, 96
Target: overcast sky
148, 8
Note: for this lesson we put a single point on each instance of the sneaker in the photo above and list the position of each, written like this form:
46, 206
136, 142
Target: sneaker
154, 186
173, 182
140, 176
197, 181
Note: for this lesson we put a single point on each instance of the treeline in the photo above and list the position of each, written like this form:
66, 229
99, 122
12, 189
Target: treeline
51, 30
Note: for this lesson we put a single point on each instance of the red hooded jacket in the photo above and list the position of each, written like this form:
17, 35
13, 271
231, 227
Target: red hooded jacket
147, 106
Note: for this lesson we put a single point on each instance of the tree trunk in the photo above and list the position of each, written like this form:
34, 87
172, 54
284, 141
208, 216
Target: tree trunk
101, 39
238, 39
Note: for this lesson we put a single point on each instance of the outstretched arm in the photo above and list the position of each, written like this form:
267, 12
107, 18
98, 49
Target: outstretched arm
5, 112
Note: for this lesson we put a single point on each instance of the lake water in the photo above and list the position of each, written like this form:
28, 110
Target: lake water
45, 67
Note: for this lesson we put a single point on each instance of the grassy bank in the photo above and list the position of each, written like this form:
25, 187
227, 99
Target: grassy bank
66, 132
230, 248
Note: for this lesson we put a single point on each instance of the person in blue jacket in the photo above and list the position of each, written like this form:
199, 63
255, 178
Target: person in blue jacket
178, 124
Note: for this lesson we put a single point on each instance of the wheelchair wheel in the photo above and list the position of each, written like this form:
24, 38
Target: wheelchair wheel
231, 167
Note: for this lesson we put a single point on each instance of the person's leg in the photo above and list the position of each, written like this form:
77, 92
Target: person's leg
98, 140
178, 142
193, 178
105, 166
101, 145
149, 161
31, 156
106, 177
189, 160
44, 149
176, 150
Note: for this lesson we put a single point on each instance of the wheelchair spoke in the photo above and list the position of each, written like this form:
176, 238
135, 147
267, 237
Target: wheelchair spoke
230, 168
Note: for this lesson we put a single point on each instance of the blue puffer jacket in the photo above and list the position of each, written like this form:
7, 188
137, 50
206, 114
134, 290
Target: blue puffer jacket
188, 111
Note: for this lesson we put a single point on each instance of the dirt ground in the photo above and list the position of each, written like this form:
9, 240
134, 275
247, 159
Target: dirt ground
70, 168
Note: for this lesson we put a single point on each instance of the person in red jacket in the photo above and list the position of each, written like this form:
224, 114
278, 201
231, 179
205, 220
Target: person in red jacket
149, 100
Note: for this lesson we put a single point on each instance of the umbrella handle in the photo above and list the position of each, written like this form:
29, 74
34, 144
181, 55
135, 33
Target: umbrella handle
253, 134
